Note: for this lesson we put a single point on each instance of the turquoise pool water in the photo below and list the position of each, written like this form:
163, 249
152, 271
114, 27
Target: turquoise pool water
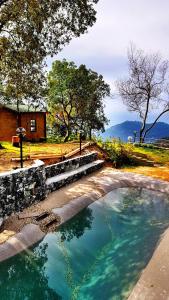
99, 254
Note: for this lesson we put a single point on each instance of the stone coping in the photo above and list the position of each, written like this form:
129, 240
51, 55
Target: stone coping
29, 235
153, 283
71, 209
149, 286
37, 163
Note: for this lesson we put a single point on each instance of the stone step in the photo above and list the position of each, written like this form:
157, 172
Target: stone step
142, 161
69, 164
56, 182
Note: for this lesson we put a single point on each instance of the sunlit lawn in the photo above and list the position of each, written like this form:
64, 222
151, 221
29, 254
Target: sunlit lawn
39, 148
158, 155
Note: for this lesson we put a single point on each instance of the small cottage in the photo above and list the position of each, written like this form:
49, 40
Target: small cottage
33, 120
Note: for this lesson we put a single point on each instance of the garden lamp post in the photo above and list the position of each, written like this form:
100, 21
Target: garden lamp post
21, 132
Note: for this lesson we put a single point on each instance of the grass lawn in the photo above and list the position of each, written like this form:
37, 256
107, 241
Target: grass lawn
39, 148
158, 155
30, 149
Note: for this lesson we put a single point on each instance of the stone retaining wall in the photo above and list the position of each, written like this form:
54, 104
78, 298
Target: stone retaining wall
23, 187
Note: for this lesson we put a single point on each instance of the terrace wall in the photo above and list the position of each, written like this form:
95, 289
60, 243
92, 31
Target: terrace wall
23, 187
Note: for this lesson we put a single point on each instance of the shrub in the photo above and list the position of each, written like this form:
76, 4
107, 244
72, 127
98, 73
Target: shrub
54, 139
118, 152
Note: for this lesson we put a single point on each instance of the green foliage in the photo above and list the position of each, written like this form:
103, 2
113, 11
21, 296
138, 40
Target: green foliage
118, 152
75, 98
31, 30
55, 139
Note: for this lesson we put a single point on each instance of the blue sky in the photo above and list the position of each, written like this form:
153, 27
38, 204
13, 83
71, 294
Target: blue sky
104, 47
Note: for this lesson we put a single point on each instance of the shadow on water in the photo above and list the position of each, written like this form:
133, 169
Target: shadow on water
99, 254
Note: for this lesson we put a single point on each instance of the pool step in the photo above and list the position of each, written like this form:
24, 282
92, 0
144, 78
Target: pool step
58, 181
42, 216
47, 221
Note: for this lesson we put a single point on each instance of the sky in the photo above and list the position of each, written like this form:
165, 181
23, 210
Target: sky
104, 48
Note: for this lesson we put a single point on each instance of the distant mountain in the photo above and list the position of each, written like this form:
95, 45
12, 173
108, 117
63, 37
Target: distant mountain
127, 128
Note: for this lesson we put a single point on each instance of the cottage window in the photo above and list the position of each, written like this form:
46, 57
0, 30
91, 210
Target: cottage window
33, 125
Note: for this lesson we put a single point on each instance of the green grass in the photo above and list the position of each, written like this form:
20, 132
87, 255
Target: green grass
158, 155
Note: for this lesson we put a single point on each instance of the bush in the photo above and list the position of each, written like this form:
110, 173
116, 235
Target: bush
54, 139
118, 152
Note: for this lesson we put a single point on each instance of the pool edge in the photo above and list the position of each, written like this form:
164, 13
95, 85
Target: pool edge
103, 184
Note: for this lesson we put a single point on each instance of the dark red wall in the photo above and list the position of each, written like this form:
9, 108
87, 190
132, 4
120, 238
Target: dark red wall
9, 124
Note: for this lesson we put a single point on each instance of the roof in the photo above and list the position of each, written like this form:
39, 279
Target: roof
23, 108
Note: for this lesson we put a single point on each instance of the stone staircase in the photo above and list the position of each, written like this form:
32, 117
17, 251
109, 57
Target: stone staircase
142, 159
68, 171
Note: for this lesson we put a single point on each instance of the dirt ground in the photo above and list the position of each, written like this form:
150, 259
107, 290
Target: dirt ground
7, 165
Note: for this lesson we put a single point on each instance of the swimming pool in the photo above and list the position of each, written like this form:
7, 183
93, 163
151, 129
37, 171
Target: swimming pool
99, 254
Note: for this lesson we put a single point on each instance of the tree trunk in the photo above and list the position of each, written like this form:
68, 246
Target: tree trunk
67, 134
144, 121
90, 134
141, 140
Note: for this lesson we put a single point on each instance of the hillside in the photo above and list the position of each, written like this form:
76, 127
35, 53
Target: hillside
127, 128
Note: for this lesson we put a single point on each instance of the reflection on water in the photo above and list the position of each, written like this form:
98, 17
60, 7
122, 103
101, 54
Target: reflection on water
23, 277
99, 254
77, 226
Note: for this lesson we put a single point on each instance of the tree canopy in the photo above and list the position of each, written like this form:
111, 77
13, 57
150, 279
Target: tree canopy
146, 88
75, 97
31, 30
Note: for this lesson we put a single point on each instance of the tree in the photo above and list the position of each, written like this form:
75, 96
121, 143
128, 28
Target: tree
76, 96
31, 30
146, 88
90, 90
